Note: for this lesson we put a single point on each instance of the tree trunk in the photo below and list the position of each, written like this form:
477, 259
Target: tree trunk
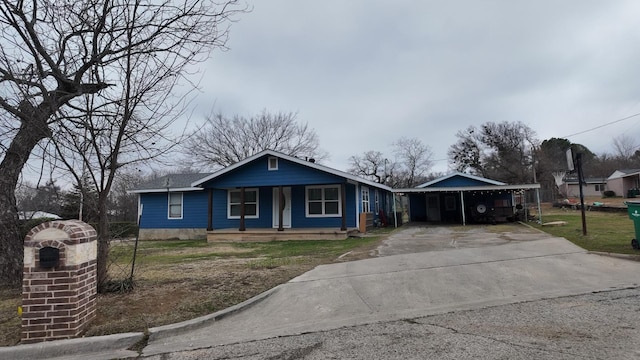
104, 238
12, 252
27, 137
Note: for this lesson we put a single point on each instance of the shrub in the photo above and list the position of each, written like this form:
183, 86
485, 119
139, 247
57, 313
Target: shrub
609, 193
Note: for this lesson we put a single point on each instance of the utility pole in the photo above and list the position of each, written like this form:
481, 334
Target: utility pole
580, 183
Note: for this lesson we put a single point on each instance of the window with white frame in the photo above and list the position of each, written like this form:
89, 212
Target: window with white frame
365, 200
273, 163
234, 203
599, 187
323, 201
175, 205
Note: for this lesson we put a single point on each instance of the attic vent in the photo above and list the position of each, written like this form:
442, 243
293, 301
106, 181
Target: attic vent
273, 163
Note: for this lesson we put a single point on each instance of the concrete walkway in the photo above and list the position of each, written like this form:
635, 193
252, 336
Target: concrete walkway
455, 272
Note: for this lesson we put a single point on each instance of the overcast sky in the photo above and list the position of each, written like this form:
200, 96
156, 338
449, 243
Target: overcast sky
364, 73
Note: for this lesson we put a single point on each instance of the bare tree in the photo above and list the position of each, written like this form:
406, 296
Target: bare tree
372, 165
415, 158
223, 141
625, 146
55, 55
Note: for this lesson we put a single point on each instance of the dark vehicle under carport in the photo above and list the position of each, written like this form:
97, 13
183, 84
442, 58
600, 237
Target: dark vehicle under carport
461, 199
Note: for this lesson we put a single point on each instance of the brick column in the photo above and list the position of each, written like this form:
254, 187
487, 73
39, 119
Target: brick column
59, 287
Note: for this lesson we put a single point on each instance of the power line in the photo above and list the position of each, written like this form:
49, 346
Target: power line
603, 125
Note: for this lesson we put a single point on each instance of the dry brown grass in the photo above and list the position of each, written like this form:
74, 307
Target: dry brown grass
211, 277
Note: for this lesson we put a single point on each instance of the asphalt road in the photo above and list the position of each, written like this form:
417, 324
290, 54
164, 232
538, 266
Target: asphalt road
603, 325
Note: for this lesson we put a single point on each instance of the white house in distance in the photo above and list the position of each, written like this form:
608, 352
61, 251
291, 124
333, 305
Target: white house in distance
593, 187
624, 182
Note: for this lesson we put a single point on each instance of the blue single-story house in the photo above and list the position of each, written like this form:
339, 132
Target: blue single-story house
267, 196
460, 198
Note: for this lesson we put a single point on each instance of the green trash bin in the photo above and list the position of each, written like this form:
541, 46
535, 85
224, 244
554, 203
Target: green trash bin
633, 207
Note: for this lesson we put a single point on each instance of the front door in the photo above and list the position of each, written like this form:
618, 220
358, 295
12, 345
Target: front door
286, 212
433, 207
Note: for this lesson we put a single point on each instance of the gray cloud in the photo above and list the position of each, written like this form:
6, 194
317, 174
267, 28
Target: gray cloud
363, 73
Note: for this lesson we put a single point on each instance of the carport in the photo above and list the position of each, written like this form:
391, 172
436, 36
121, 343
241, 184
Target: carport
462, 198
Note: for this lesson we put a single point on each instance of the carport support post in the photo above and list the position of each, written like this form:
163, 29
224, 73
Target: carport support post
395, 213
464, 219
539, 208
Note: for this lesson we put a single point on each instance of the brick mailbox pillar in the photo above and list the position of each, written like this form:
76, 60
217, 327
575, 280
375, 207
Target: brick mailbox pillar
59, 287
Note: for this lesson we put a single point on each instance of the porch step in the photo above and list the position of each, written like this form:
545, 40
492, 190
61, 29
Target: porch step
219, 235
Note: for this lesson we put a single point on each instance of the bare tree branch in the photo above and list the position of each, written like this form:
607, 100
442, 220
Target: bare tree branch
55, 54
222, 141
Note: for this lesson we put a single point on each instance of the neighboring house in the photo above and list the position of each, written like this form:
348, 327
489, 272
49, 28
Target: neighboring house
624, 182
570, 187
264, 197
462, 198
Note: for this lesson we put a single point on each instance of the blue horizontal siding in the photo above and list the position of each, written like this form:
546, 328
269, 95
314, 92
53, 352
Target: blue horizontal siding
195, 210
459, 181
221, 221
298, 211
256, 173
155, 211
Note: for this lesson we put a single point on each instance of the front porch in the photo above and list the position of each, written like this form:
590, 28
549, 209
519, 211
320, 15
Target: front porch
266, 234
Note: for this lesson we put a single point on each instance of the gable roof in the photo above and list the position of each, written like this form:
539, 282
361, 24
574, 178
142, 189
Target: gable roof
312, 165
474, 183
623, 173
171, 182
459, 174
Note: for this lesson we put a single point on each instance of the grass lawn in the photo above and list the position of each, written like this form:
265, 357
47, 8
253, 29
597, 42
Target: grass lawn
180, 280
606, 231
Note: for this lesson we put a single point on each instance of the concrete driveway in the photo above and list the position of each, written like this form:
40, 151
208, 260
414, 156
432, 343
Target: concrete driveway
421, 271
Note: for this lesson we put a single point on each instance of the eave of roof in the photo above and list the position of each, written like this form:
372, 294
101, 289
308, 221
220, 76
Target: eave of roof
183, 189
469, 188
618, 174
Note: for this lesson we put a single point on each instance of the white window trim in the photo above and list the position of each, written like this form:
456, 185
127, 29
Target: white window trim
169, 206
269, 167
256, 216
306, 201
365, 190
